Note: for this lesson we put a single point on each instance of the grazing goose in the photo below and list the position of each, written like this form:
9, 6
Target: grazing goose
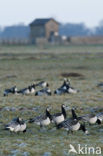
44, 91
16, 125
25, 91
99, 117
59, 117
42, 84
72, 125
90, 118
42, 120
12, 90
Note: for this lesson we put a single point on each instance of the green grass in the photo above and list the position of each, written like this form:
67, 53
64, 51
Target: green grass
23, 65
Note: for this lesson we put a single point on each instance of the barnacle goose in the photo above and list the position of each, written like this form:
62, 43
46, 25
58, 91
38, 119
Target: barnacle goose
59, 117
25, 91
72, 125
16, 125
63, 88
100, 85
90, 118
42, 120
12, 90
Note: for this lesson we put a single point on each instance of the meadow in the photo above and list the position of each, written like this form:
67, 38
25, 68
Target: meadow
24, 65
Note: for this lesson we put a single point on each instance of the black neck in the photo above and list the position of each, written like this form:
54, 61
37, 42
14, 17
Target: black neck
98, 122
14, 91
18, 120
48, 114
74, 114
64, 112
82, 127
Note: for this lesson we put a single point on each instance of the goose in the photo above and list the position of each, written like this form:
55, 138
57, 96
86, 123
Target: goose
100, 85
42, 84
90, 118
68, 86
44, 91
42, 120
63, 88
25, 91
12, 90
59, 117
16, 125
99, 117
72, 125
61, 91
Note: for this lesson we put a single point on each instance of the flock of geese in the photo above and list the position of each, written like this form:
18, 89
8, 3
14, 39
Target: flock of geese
31, 89
60, 120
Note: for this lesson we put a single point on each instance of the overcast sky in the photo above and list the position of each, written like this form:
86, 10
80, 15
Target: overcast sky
74, 11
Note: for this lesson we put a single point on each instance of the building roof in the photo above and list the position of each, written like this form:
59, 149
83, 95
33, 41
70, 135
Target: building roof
41, 21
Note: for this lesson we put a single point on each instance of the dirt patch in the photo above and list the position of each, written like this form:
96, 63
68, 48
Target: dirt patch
72, 75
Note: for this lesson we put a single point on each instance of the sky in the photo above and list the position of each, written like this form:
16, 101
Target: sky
14, 12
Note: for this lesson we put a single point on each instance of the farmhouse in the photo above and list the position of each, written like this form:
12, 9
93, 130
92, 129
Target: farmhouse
44, 29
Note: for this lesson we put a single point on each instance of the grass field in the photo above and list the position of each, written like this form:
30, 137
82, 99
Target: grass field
23, 65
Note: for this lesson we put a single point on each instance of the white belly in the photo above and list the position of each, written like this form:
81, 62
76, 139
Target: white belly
26, 91
45, 122
93, 120
44, 84
22, 127
72, 90
59, 119
32, 90
76, 127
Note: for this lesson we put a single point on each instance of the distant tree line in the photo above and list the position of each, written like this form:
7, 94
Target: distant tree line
68, 29
16, 31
